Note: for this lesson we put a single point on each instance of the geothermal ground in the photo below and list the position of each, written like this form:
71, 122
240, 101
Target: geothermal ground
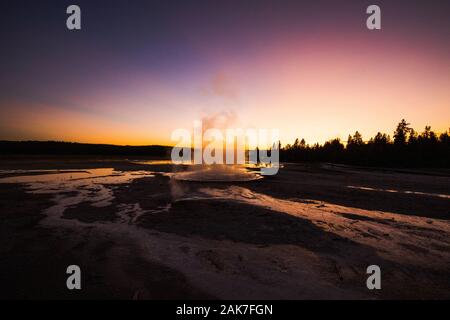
138, 232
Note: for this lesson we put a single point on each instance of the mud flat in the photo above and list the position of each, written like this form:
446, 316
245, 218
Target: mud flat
309, 232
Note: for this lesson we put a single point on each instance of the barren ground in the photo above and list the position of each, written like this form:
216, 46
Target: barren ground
309, 232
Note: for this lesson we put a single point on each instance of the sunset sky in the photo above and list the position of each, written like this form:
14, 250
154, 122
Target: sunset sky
140, 69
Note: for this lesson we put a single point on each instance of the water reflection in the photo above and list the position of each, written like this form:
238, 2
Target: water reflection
445, 196
217, 173
72, 187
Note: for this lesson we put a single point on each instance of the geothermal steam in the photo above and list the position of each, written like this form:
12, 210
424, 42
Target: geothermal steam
217, 172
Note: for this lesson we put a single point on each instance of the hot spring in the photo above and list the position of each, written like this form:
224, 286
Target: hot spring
217, 173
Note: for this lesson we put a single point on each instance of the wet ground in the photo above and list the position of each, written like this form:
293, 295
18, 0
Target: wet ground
137, 232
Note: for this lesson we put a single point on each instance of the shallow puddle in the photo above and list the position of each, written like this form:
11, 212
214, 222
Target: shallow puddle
438, 195
72, 187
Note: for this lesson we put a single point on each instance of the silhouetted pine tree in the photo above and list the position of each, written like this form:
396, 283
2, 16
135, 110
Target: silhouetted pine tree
408, 149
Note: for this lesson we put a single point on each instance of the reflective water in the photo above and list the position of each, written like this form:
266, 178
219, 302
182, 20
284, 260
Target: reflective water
72, 187
438, 195
217, 173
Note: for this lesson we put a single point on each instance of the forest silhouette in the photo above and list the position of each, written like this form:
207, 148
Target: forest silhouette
407, 148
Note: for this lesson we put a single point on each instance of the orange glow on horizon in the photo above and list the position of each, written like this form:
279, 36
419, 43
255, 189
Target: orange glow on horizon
312, 89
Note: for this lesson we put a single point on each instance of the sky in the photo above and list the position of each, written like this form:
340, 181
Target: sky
138, 70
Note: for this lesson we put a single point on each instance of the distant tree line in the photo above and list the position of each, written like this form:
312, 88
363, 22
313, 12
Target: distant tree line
407, 148
69, 148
